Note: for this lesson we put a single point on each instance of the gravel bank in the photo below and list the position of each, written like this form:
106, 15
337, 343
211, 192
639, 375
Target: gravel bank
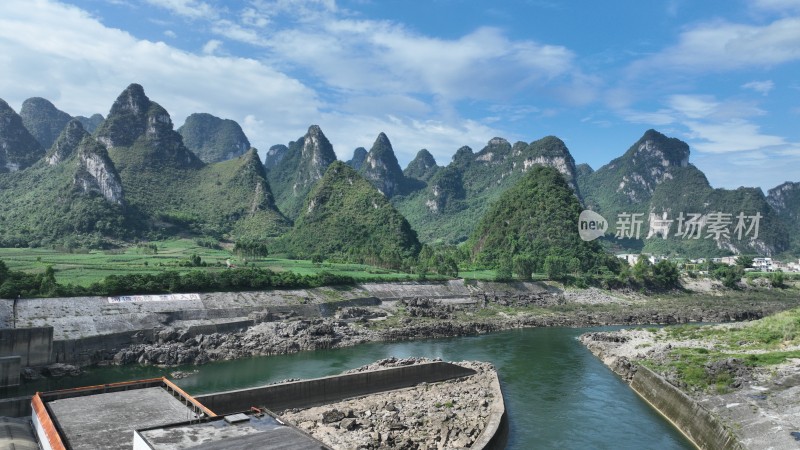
450, 414
761, 407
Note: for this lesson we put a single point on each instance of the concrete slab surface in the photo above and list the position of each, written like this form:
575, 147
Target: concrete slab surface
253, 433
107, 420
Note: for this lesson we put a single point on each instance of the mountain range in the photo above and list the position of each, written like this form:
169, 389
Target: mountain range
100, 181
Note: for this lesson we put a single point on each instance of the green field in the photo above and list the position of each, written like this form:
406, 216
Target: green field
87, 267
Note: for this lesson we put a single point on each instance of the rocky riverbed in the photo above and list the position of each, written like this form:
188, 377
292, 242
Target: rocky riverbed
421, 317
759, 404
450, 414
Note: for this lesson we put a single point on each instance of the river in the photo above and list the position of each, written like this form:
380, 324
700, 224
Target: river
558, 395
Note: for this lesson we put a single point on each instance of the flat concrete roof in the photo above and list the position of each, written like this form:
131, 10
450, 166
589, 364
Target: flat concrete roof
218, 434
107, 420
17, 434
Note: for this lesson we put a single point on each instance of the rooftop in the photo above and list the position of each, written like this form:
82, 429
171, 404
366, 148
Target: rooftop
241, 431
107, 420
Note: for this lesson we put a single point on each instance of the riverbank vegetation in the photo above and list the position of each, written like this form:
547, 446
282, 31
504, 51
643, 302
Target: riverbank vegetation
718, 354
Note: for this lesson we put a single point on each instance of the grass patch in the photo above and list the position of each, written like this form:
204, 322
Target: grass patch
87, 267
769, 337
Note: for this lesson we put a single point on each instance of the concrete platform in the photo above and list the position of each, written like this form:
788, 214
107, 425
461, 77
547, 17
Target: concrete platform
17, 434
253, 432
108, 420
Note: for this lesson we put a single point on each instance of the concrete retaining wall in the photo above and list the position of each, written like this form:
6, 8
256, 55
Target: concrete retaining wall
15, 406
495, 435
301, 394
93, 349
33, 345
691, 418
9, 370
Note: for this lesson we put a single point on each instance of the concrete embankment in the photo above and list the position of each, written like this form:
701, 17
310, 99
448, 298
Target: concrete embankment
722, 402
302, 394
389, 404
197, 328
697, 423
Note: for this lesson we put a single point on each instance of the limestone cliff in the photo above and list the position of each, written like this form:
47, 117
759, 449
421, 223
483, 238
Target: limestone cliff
304, 163
382, 169
96, 173
135, 121
67, 143
274, 155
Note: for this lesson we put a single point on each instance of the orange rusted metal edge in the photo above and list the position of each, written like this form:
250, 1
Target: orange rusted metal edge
196, 403
50, 432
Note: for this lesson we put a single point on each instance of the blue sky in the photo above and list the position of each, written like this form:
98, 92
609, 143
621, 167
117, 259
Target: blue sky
720, 75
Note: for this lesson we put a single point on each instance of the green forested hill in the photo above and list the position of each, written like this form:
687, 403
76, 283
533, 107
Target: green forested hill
72, 199
298, 170
43, 120
18, 148
533, 226
456, 196
171, 190
655, 176
785, 201
422, 167
345, 218
135, 178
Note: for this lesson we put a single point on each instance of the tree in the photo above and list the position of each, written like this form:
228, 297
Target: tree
504, 271
665, 275
777, 279
3, 272
744, 261
559, 267
642, 270
524, 265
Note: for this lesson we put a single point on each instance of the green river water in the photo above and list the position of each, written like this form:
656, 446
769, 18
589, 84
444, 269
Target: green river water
558, 395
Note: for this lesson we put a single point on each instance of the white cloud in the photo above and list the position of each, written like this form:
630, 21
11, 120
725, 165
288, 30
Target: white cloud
351, 55
82, 66
712, 125
170, 34
192, 9
730, 136
721, 46
762, 87
693, 106
212, 46
777, 5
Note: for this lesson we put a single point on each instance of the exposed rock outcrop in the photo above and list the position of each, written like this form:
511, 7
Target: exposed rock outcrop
96, 172
274, 155
67, 143
382, 169
303, 164
135, 118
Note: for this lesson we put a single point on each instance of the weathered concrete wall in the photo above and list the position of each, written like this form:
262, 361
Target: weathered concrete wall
705, 430
9, 370
15, 407
495, 435
33, 345
93, 349
319, 391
